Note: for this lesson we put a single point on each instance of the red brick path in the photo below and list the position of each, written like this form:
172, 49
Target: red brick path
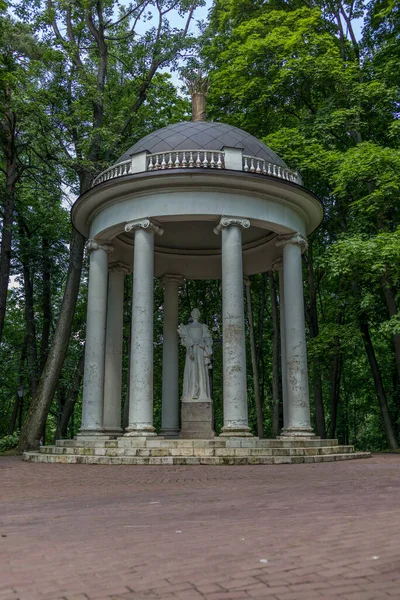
290, 532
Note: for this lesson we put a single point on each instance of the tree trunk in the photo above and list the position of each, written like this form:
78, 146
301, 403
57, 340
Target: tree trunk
72, 424
29, 310
70, 400
31, 332
20, 383
335, 382
390, 299
275, 355
314, 331
14, 415
8, 147
61, 399
40, 405
376, 374
46, 303
254, 363
379, 389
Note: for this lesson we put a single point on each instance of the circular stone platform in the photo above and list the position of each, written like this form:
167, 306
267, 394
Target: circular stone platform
231, 451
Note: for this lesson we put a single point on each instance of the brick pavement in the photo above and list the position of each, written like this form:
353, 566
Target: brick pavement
290, 532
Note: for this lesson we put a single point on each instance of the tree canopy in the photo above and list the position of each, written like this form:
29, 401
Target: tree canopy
317, 81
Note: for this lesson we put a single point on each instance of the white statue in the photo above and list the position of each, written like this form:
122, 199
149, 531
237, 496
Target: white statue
197, 340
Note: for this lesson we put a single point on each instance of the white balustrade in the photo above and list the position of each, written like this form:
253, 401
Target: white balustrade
253, 164
118, 170
192, 159
182, 159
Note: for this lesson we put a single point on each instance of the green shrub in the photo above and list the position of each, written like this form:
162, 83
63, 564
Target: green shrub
9, 442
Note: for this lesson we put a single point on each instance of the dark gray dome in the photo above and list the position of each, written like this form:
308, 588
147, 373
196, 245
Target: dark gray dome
194, 135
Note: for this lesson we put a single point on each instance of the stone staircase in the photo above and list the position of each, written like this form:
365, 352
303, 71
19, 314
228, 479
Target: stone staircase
159, 451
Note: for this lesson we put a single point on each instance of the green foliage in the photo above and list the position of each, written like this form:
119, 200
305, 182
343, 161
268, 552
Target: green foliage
327, 103
293, 74
9, 442
81, 83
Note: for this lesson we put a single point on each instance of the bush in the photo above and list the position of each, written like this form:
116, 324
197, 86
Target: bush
9, 442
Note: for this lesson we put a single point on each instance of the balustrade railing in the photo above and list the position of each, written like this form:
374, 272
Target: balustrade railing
253, 164
182, 159
118, 170
192, 159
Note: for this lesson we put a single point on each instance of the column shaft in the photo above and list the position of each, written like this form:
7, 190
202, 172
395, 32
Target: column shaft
283, 347
141, 365
113, 362
234, 351
170, 365
93, 379
295, 342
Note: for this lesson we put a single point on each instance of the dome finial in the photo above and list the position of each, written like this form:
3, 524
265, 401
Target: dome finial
198, 86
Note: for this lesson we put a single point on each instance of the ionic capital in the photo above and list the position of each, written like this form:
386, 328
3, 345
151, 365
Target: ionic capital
172, 278
292, 238
277, 265
92, 245
246, 281
227, 221
144, 224
118, 267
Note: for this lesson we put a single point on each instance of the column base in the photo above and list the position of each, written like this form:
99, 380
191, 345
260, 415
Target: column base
92, 432
302, 432
236, 432
91, 435
139, 431
117, 431
170, 432
94, 438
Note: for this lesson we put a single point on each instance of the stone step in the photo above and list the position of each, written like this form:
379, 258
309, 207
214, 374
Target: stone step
189, 460
192, 451
87, 443
216, 443
292, 443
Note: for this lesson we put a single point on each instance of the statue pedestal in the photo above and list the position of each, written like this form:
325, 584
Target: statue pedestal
197, 420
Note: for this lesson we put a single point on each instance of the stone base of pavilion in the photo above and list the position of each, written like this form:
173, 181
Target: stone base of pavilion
218, 451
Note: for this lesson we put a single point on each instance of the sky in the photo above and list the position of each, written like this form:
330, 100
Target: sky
201, 14
177, 21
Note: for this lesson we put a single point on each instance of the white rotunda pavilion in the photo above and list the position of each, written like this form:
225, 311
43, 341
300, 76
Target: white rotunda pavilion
194, 200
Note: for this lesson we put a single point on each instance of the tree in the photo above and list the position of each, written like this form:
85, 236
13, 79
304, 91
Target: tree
102, 78
20, 69
326, 101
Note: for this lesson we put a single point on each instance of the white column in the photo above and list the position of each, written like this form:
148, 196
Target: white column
233, 332
141, 364
170, 365
278, 266
298, 423
114, 339
93, 378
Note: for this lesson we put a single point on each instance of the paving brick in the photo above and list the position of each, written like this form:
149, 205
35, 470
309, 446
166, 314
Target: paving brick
227, 596
172, 532
208, 588
240, 583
